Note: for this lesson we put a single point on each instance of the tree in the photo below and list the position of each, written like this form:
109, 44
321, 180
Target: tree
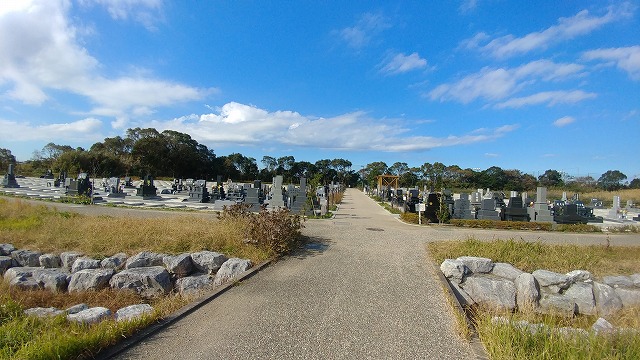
611, 180
634, 184
6, 158
373, 170
551, 178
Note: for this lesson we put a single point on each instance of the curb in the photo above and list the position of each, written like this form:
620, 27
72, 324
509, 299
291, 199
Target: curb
476, 345
120, 347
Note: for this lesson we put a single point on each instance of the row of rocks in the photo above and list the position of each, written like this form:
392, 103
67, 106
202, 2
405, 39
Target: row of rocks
600, 327
477, 280
146, 273
81, 313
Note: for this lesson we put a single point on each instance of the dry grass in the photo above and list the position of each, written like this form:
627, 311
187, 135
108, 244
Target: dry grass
43, 229
605, 196
600, 260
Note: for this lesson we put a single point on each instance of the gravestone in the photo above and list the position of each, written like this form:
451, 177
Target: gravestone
9, 180
198, 191
147, 189
462, 208
113, 188
128, 183
540, 211
432, 206
253, 199
277, 198
60, 180
79, 186
568, 214
488, 210
515, 211
298, 197
614, 212
629, 205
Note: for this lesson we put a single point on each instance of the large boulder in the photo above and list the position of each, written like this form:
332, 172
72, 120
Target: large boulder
477, 265
579, 275
50, 261
553, 281
582, 295
527, 291
114, 262
461, 295
148, 282
26, 257
76, 308
144, 259
195, 284
43, 312
90, 279
6, 249
132, 312
69, 257
230, 270
52, 279
506, 271
208, 261
19, 272
84, 263
90, 316
24, 283
629, 296
179, 265
454, 270
607, 301
602, 326
5, 263
491, 291
557, 304
615, 281
636, 279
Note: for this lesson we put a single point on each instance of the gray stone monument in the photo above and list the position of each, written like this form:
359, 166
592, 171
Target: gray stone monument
253, 199
9, 180
540, 211
277, 198
462, 208
614, 213
488, 210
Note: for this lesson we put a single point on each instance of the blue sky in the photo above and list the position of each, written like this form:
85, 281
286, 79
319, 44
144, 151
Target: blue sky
532, 85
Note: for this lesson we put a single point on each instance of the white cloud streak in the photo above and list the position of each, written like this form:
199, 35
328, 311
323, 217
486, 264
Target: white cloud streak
87, 129
146, 12
550, 98
564, 121
624, 58
566, 29
402, 63
361, 34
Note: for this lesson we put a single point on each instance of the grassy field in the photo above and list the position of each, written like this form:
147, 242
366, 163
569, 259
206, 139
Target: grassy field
605, 196
236, 233
512, 342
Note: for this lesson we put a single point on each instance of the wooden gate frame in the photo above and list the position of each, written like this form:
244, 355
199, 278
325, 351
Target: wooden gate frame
387, 181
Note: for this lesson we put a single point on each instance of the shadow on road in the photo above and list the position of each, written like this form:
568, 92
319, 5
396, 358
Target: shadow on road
311, 246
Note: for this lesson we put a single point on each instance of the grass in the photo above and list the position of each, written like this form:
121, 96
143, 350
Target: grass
236, 233
512, 342
605, 196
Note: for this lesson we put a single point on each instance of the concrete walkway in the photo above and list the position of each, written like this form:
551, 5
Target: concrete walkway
363, 287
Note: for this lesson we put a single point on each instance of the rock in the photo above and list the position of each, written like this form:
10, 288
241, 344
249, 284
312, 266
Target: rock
6, 249
54, 280
133, 311
24, 283
194, 284
477, 265
582, 294
208, 261
602, 326
615, 281
43, 312
179, 265
26, 257
84, 263
461, 295
144, 259
76, 308
506, 271
607, 301
5, 263
493, 292
454, 269
548, 278
114, 262
629, 297
50, 261
91, 315
69, 257
579, 275
527, 291
148, 282
557, 305
230, 270
90, 279
572, 332
636, 279
19, 272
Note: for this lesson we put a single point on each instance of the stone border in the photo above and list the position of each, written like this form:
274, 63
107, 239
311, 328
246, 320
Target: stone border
477, 347
114, 350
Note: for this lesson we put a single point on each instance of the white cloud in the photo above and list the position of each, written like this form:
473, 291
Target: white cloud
241, 124
361, 34
86, 130
402, 63
47, 55
467, 6
567, 28
625, 58
493, 84
146, 12
493, 155
564, 121
549, 97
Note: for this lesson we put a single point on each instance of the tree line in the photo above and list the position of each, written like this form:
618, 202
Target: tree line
171, 154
